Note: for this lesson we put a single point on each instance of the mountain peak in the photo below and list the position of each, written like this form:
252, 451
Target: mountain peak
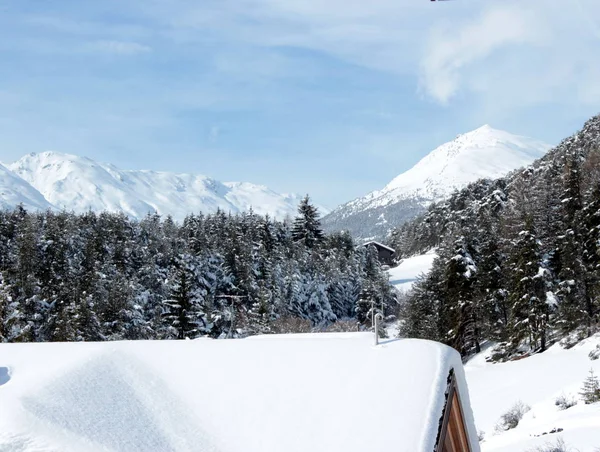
484, 128
481, 153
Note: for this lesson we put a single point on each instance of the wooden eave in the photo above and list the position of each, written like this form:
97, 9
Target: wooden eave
452, 434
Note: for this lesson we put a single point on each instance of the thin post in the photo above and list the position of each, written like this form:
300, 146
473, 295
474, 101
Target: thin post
378, 317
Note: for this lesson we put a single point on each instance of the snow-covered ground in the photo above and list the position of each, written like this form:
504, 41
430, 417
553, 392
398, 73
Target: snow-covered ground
293, 393
536, 381
404, 275
129, 396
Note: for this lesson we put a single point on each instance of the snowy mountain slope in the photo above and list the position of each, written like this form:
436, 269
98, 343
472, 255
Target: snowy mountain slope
483, 153
536, 381
80, 184
406, 273
15, 191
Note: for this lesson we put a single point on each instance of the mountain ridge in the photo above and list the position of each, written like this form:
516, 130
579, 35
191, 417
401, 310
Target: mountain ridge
77, 183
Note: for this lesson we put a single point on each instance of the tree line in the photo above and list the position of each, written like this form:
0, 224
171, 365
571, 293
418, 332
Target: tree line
103, 276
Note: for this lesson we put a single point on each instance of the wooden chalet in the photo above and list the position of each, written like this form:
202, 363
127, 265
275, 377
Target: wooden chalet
385, 254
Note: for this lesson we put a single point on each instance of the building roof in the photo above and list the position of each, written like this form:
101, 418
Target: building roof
293, 393
373, 242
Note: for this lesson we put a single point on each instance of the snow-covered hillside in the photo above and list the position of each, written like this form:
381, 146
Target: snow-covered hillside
81, 184
406, 273
14, 191
483, 153
537, 382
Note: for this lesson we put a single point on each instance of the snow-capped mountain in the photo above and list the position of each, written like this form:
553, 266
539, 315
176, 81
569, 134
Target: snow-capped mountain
482, 153
80, 184
14, 191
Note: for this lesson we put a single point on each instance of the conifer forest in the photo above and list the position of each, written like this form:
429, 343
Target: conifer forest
96, 277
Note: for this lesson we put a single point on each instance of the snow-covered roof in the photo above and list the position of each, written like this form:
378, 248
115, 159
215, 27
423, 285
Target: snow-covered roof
373, 242
294, 393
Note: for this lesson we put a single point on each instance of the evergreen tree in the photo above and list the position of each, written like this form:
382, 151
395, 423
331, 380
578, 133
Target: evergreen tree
590, 392
465, 330
307, 226
491, 305
5, 309
590, 248
530, 313
184, 310
571, 272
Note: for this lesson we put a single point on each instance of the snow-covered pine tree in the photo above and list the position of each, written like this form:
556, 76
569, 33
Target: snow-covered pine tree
590, 238
421, 311
184, 309
530, 313
590, 392
26, 319
5, 302
375, 295
307, 226
571, 287
491, 305
459, 308
366, 305
571, 270
261, 313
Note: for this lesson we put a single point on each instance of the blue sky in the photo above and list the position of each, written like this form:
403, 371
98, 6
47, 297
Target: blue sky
329, 97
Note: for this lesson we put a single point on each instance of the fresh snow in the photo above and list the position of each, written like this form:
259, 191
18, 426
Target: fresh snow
482, 153
295, 393
81, 184
274, 393
404, 275
15, 191
536, 381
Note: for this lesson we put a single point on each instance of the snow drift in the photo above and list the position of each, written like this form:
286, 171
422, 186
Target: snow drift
295, 393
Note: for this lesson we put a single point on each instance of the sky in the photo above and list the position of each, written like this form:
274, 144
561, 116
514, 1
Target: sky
328, 97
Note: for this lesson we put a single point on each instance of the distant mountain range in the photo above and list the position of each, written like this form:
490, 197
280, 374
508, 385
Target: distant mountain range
51, 180
483, 153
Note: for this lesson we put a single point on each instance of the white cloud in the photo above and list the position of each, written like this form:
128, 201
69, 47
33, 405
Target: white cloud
382, 35
451, 48
513, 55
119, 47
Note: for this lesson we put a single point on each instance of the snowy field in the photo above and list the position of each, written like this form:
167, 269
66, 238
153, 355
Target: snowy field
404, 275
536, 381
151, 395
